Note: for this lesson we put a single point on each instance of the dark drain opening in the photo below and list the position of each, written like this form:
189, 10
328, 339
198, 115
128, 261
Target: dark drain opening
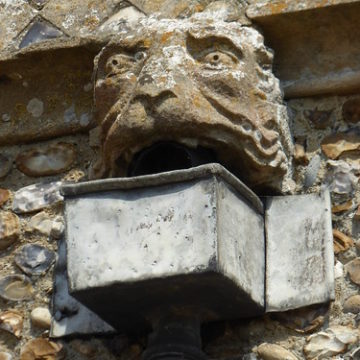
168, 156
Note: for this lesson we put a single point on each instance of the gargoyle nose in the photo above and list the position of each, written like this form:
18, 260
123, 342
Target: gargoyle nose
152, 86
156, 84
159, 75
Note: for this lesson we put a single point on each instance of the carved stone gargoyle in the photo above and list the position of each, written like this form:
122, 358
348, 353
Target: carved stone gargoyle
205, 81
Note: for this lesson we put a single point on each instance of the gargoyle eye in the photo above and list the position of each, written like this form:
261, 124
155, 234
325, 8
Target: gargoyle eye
218, 59
118, 64
140, 55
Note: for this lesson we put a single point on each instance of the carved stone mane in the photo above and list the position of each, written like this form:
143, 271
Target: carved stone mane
204, 81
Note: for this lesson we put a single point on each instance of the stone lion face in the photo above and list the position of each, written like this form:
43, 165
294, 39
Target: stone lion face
201, 81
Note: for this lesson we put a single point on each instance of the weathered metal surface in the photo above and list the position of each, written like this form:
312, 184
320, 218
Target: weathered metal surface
184, 245
171, 177
299, 251
189, 241
69, 316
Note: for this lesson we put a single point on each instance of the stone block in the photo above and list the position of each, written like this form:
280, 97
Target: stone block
314, 42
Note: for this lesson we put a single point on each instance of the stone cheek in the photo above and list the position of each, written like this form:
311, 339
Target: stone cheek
181, 81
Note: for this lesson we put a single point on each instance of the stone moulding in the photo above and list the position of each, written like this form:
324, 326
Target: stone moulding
171, 234
312, 59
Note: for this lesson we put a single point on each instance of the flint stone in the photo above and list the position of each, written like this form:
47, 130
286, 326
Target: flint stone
312, 171
12, 322
341, 177
16, 287
274, 352
5, 166
34, 259
320, 119
357, 214
335, 340
351, 110
304, 320
14, 16
353, 269
36, 197
42, 348
41, 317
58, 228
336, 144
342, 242
352, 304
9, 229
113, 24
52, 160
39, 31
300, 156
355, 354
4, 196
42, 223
342, 207
339, 270
5, 356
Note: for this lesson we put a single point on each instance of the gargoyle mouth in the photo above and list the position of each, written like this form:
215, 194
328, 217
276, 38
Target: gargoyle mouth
168, 156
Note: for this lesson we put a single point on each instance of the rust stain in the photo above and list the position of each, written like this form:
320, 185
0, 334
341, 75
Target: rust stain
342, 242
147, 43
196, 101
133, 78
91, 22
166, 37
199, 8
162, 79
277, 7
20, 109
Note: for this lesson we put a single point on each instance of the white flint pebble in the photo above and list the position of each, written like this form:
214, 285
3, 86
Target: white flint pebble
41, 317
312, 171
339, 270
341, 177
274, 352
41, 223
84, 119
335, 340
6, 117
36, 197
57, 228
5, 356
35, 107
